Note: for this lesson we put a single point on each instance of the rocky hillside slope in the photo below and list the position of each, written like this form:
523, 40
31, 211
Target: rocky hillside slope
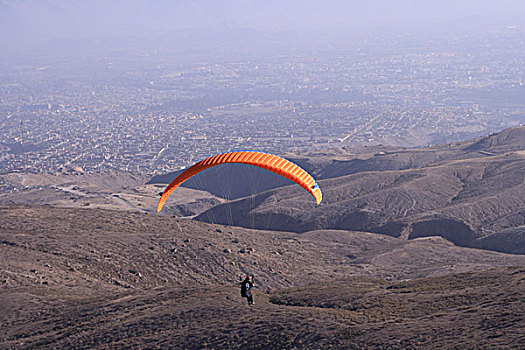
93, 278
470, 193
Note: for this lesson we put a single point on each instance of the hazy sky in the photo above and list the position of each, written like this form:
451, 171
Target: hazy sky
26, 22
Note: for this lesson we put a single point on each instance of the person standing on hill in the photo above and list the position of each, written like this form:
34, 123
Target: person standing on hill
246, 289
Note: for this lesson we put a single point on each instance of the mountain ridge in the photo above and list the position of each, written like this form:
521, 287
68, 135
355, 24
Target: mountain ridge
468, 197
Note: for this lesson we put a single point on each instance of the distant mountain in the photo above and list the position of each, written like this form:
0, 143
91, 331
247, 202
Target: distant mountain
471, 193
332, 163
505, 141
230, 181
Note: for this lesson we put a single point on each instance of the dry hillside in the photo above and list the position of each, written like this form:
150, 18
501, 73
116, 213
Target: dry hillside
469, 193
94, 278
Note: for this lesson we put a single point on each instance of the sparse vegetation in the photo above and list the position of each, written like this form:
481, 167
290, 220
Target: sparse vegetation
88, 278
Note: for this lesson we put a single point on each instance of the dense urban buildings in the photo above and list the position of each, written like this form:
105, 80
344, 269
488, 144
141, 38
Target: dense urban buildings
150, 112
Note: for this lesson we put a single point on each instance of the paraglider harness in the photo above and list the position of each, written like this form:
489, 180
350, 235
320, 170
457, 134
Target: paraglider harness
246, 288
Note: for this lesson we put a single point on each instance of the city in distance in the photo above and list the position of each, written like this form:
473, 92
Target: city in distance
157, 106
409, 117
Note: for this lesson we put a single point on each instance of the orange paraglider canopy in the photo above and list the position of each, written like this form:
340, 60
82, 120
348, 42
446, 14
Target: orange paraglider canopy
275, 164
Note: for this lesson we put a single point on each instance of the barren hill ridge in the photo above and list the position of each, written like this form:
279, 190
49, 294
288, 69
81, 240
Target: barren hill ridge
98, 278
471, 193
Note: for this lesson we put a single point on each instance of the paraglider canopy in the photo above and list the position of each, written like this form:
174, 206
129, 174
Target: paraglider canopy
273, 163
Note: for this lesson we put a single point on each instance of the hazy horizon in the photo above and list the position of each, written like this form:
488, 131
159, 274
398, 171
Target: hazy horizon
27, 24
195, 78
